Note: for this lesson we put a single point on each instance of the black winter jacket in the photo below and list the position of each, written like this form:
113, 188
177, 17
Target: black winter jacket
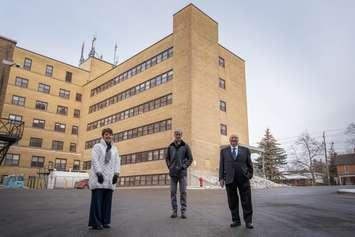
178, 158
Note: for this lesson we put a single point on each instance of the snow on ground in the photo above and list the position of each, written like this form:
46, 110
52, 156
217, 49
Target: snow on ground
212, 182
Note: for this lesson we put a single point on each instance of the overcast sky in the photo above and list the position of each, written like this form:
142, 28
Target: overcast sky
300, 55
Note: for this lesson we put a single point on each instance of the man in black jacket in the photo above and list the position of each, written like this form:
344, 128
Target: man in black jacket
235, 171
178, 159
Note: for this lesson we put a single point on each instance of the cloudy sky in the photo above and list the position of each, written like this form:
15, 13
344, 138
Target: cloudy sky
300, 55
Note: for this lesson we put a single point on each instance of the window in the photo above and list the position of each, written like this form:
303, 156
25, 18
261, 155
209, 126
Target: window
222, 83
37, 161
76, 165
21, 82
78, 97
75, 130
60, 164
27, 64
68, 76
221, 62
18, 100
222, 105
43, 88
77, 113
59, 127
49, 71
223, 129
41, 105
57, 145
35, 142
64, 93
72, 147
62, 110
50, 165
12, 159
86, 165
15, 117
38, 123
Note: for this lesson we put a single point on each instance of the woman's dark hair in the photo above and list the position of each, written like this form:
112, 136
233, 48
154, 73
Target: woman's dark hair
106, 130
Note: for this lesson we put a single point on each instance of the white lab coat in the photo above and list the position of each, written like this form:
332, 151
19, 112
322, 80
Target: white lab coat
107, 170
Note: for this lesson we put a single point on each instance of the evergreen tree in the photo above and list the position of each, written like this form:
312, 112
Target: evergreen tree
273, 158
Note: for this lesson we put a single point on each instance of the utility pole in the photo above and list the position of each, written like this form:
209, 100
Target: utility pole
326, 158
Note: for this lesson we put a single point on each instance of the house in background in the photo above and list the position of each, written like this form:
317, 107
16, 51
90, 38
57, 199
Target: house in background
345, 166
301, 178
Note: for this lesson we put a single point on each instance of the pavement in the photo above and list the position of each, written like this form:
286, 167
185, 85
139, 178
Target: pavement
290, 211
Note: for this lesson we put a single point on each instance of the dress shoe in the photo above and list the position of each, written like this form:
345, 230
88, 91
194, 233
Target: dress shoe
106, 226
249, 225
235, 224
97, 227
174, 214
183, 215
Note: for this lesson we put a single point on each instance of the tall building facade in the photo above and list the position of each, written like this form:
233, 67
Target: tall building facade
187, 80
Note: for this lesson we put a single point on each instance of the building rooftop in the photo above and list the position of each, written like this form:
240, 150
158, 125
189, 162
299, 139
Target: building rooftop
8, 39
346, 159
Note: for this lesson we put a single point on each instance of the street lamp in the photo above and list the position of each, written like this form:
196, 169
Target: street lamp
9, 63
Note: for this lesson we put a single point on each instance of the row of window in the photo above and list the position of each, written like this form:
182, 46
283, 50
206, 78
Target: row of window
44, 88
156, 81
56, 145
40, 123
144, 180
41, 105
144, 156
27, 65
38, 162
222, 104
156, 127
131, 112
134, 71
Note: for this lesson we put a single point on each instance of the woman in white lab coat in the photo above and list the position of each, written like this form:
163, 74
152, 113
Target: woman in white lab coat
105, 169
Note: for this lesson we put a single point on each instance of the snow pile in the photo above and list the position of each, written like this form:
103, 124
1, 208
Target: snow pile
259, 183
212, 182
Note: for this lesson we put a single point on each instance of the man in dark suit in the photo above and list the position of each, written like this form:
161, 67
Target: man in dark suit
235, 171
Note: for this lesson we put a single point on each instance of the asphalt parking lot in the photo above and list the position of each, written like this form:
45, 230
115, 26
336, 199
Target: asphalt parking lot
309, 211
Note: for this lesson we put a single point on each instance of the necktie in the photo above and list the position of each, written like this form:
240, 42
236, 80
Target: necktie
234, 153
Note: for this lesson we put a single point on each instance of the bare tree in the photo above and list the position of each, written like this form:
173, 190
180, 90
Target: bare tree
350, 134
306, 149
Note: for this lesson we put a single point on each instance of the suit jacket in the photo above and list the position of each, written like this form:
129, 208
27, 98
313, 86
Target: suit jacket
241, 168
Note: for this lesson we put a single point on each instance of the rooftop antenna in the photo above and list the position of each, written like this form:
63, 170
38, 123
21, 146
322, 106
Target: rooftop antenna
92, 50
82, 54
115, 61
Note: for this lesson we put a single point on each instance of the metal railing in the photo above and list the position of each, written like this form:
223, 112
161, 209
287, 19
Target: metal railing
11, 131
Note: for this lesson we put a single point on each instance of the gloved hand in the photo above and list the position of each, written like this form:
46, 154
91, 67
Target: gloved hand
100, 177
115, 178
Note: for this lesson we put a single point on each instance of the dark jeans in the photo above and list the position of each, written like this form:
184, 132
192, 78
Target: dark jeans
174, 180
245, 198
100, 207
